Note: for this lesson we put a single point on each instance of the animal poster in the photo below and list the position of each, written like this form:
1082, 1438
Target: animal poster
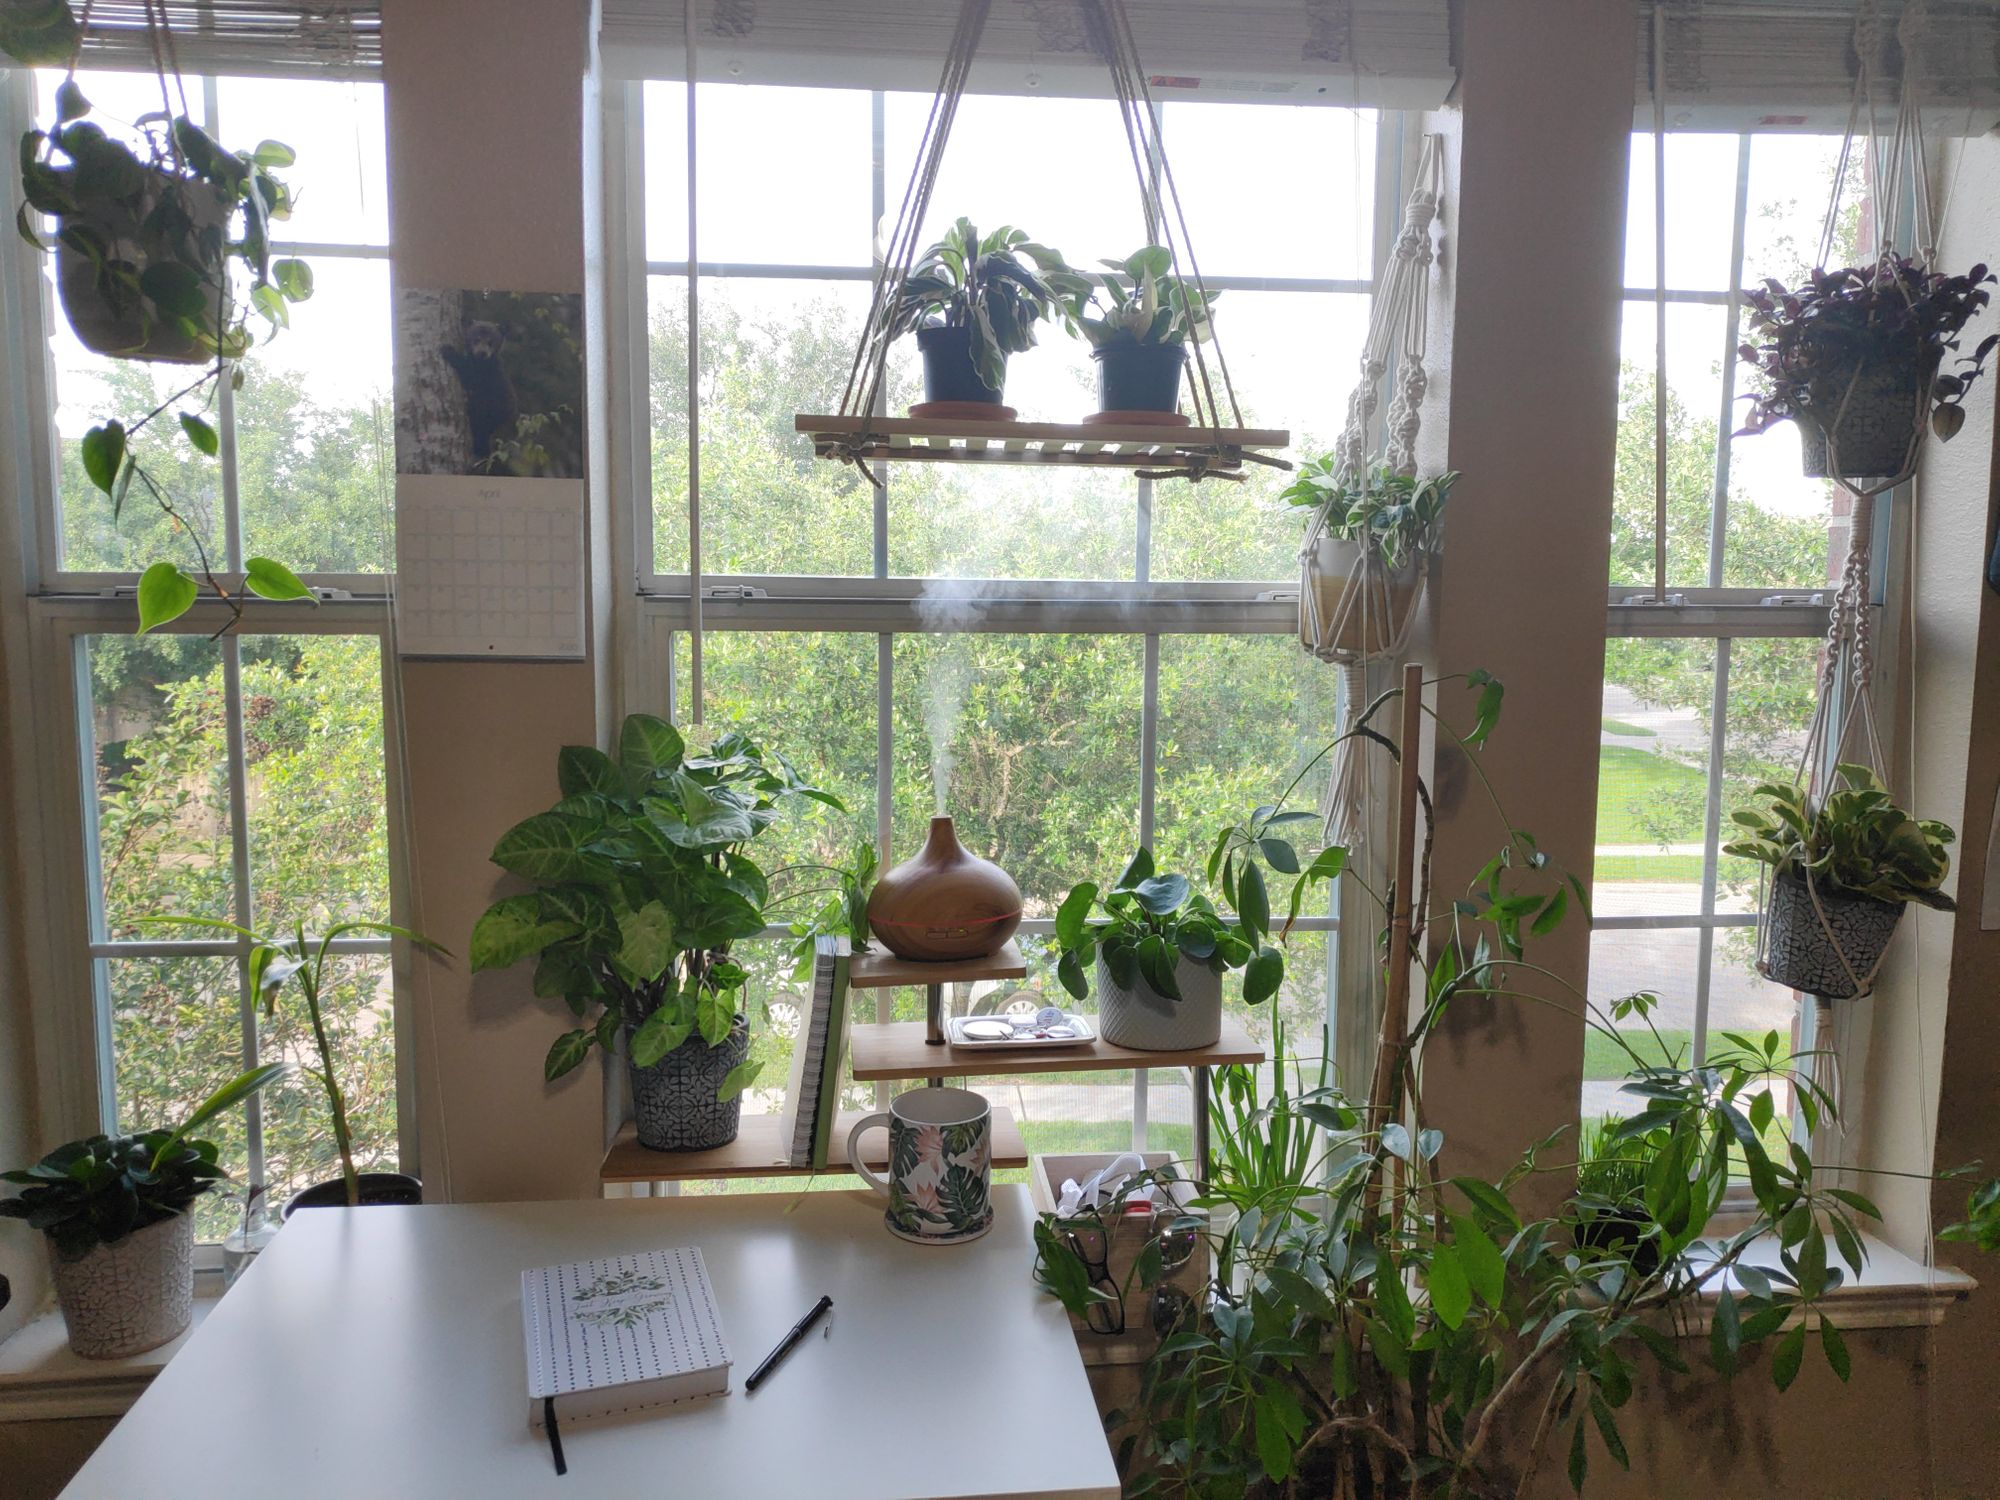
489, 384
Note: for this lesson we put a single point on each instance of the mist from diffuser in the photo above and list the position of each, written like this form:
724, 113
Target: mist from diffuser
945, 903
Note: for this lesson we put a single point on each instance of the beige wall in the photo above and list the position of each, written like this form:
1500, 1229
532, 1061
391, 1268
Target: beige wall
1527, 343
486, 155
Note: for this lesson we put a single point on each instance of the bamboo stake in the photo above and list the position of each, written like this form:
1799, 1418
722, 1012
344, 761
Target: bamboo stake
1394, 1042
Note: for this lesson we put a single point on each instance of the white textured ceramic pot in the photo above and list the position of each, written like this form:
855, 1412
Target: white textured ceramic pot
1149, 1022
131, 1296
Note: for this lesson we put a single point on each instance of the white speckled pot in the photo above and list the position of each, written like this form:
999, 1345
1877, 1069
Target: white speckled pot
128, 1297
1149, 1022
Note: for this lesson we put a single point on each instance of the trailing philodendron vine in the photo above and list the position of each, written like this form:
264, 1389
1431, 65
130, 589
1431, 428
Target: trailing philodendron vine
1397, 1329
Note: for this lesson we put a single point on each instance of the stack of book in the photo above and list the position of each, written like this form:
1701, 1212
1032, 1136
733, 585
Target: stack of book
813, 1100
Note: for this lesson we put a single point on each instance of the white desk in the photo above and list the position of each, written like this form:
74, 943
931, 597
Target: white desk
377, 1353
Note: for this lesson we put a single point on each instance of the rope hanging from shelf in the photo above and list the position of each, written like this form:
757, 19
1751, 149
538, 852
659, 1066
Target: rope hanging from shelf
1110, 30
1368, 616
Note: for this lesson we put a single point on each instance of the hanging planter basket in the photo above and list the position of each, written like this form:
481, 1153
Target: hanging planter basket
1885, 398
1825, 957
170, 220
1354, 607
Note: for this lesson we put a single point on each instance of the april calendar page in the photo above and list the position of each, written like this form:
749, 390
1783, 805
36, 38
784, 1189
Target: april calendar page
489, 567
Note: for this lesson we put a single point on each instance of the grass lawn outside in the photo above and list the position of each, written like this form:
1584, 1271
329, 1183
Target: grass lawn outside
1626, 775
1630, 731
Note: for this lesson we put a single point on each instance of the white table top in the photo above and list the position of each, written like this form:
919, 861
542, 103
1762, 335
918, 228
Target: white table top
378, 1352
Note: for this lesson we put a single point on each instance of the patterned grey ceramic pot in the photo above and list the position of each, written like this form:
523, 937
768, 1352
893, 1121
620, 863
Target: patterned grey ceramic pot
131, 1296
1879, 427
1149, 1022
674, 1103
1800, 947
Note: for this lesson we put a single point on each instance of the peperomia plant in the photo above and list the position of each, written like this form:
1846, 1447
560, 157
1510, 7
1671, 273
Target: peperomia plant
97, 1191
1398, 513
1417, 1333
644, 882
1143, 927
1856, 842
163, 246
1809, 340
998, 287
1139, 300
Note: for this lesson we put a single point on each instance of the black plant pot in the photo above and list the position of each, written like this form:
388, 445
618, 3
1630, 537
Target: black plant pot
1139, 377
377, 1188
1800, 947
1879, 423
674, 1103
949, 373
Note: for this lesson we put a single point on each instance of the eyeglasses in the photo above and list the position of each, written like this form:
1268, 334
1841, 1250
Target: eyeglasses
1168, 1306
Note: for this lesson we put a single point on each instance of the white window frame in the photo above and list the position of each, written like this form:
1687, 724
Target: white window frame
70, 948
653, 608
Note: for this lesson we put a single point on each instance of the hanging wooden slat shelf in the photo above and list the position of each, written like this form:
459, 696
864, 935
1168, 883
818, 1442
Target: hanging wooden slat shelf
1187, 450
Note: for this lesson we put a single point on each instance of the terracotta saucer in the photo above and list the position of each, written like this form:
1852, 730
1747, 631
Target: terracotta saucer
963, 411
1133, 419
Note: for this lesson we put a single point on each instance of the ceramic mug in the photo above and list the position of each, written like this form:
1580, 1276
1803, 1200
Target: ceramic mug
940, 1165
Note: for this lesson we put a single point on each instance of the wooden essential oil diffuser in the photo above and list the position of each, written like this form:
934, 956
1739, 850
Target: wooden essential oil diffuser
944, 903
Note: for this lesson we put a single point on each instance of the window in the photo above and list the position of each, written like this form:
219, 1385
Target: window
1068, 662
1711, 690
241, 776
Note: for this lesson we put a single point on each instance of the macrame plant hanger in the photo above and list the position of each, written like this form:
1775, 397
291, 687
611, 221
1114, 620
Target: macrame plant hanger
1367, 616
1843, 729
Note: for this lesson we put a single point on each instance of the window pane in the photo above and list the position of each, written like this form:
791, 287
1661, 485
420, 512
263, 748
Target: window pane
770, 350
312, 730
337, 130
176, 1036
784, 174
1031, 743
1701, 202
811, 697
315, 428
1228, 155
1652, 789
1661, 962
1697, 343
161, 770
1006, 521
1791, 181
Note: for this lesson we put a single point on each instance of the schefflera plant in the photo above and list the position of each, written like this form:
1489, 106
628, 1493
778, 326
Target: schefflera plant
643, 882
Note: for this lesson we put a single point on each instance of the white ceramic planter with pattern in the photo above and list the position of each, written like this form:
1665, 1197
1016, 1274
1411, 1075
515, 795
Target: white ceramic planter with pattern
130, 1296
1150, 1022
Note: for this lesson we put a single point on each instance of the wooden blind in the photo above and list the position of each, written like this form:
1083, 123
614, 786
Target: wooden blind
341, 38
1789, 64
1382, 53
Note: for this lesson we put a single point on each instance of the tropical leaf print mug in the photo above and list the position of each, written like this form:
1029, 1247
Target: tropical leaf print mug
940, 1165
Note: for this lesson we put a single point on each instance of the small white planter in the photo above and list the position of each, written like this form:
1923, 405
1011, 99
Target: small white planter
131, 1296
1148, 1022
1354, 608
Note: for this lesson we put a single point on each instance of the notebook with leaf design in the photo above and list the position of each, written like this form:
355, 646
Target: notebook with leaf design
621, 1333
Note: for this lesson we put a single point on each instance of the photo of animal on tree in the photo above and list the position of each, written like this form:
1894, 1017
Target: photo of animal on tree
489, 383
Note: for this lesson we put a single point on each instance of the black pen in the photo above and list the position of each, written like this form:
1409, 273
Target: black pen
799, 1331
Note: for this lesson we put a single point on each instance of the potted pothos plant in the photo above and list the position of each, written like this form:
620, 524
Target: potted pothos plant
1371, 541
115, 1211
1843, 869
644, 881
972, 301
1155, 949
162, 240
1857, 354
276, 961
1139, 318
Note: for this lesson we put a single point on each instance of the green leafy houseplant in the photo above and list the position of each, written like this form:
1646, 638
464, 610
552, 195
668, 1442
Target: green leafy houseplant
997, 288
1856, 842
163, 246
97, 1191
1146, 924
1398, 513
1139, 300
1420, 1333
274, 962
643, 882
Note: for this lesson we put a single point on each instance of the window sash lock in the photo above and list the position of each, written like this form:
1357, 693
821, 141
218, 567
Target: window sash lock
728, 591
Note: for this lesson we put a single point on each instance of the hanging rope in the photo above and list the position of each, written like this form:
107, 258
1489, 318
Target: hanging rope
1367, 614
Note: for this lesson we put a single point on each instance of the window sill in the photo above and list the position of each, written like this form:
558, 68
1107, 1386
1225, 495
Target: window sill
41, 1380
1892, 1291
